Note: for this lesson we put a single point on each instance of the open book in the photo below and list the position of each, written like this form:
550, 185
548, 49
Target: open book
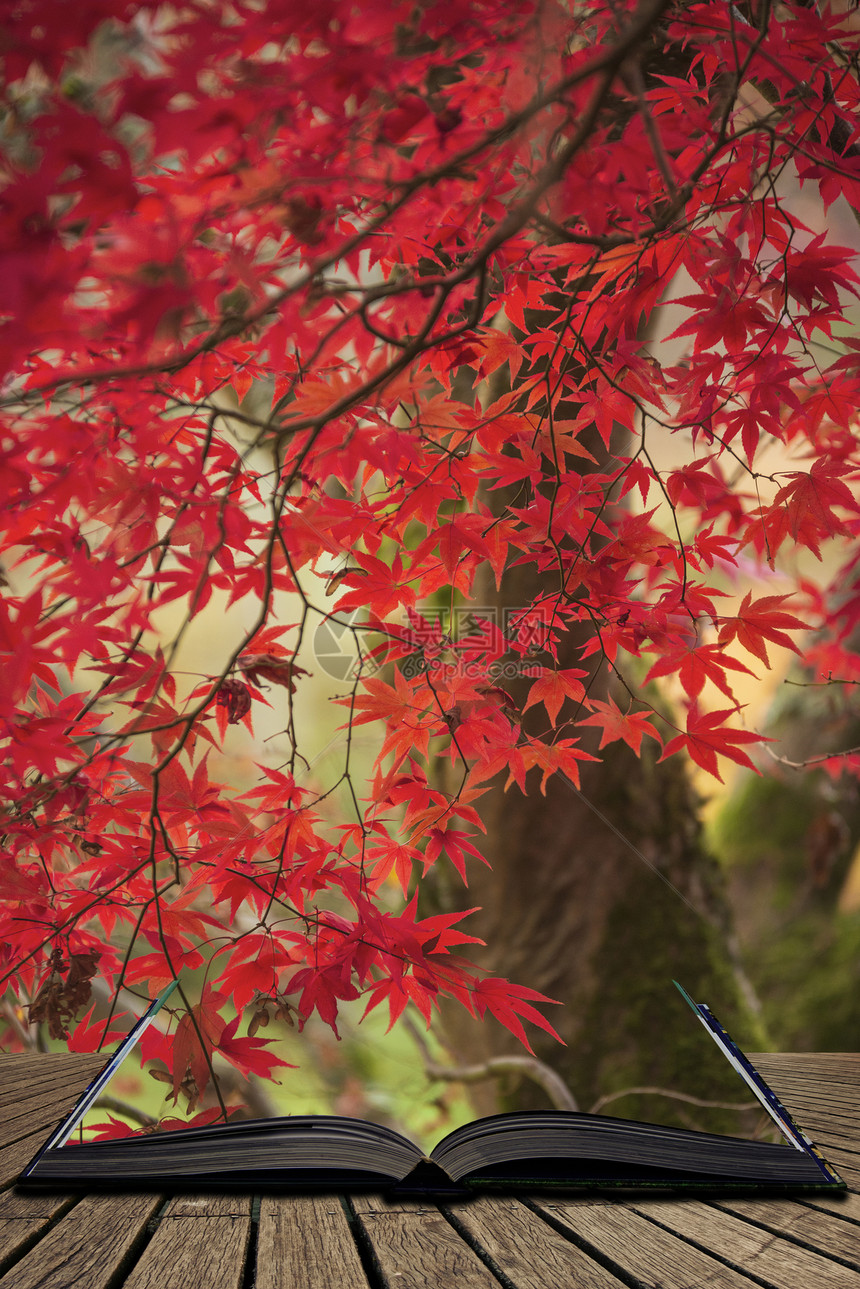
534, 1149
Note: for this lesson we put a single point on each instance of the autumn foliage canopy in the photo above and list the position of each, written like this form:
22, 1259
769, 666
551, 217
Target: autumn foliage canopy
441, 239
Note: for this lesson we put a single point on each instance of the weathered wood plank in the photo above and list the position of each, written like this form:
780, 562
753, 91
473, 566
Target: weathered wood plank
824, 1120
823, 1081
70, 1058
29, 1088
655, 1259
40, 1088
817, 1091
49, 1108
19, 1204
28, 1066
800, 1059
813, 1085
810, 1071
823, 1105
25, 1078
202, 1205
839, 1141
823, 1111
819, 1231
305, 1242
818, 1124
415, 1246
844, 1205
833, 1061
15, 1157
23, 1218
831, 1145
33, 1060
200, 1242
87, 1246
363, 1202
26, 1106
16, 1236
841, 1101
530, 1253
822, 1099
47, 1117
56, 1060
846, 1164
827, 1137
806, 1066
825, 1117
770, 1258
802, 1105
47, 1114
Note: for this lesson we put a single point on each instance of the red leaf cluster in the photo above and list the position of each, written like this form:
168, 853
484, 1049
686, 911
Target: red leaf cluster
338, 306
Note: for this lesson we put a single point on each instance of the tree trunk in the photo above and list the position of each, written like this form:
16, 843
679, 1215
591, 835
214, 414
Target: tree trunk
572, 910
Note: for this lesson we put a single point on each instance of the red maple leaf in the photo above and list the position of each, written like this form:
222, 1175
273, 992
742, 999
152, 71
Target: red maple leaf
508, 1003
249, 1055
760, 620
614, 724
708, 736
694, 664
809, 501
553, 687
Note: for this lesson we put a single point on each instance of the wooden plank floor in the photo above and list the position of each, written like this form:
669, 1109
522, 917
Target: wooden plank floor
116, 1241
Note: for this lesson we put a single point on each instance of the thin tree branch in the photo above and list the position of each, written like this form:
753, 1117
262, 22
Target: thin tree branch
493, 1068
675, 1096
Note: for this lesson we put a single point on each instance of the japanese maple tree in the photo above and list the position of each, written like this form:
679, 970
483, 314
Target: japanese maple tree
442, 237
